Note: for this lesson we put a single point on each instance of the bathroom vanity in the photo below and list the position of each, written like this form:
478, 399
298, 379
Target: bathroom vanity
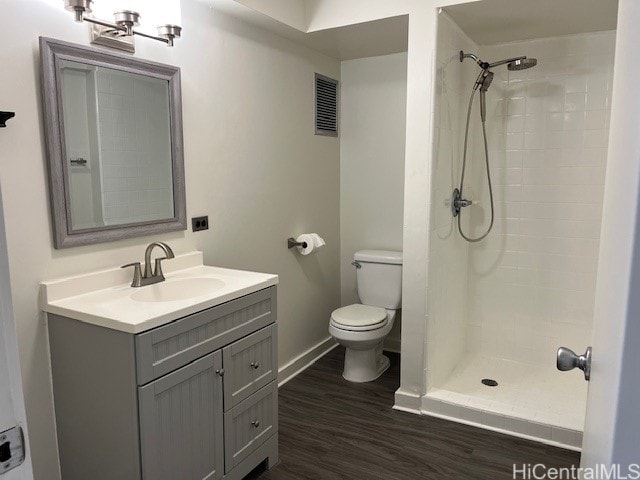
171, 381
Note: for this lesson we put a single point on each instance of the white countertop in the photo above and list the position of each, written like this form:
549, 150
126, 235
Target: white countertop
104, 298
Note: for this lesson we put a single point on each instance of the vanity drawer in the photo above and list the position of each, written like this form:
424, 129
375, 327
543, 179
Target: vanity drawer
249, 364
249, 424
164, 349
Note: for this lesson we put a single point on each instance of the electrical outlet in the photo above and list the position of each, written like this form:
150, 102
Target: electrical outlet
200, 223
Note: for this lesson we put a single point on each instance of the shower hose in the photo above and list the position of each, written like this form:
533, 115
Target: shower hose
464, 166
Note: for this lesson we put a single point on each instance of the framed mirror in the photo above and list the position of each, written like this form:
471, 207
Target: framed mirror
113, 128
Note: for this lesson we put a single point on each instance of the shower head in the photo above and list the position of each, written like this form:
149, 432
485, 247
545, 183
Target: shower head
513, 64
516, 63
522, 64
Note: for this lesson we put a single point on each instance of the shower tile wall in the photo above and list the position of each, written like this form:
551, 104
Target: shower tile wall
134, 148
447, 273
531, 282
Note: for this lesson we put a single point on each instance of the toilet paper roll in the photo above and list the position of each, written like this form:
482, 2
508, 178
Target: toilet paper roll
313, 241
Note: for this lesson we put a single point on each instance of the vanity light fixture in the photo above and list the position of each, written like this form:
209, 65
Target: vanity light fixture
120, 33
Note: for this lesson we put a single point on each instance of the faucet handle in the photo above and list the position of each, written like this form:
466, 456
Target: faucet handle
137, 273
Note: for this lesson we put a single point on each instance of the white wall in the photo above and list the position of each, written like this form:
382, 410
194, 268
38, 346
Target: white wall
250, 153
372, 134
448, 252
532, 280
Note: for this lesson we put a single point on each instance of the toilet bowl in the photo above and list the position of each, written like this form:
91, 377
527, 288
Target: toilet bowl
362, 327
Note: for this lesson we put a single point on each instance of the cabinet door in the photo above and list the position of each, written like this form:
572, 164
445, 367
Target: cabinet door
181, 423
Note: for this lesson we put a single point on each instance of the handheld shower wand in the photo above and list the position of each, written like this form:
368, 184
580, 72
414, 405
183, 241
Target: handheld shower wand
483, 82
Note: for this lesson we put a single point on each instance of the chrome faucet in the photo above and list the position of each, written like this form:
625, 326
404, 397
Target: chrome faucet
150, 275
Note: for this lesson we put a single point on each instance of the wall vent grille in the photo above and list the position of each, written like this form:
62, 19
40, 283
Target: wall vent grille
326, 115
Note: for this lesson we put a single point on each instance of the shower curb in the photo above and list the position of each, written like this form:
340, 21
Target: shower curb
556, 436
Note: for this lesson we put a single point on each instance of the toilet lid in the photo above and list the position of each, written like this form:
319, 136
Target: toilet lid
358, 315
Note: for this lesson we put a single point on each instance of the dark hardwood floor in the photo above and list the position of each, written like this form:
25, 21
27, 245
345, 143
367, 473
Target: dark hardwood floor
334, 429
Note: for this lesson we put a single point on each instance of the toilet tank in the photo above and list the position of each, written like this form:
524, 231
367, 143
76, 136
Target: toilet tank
379, 278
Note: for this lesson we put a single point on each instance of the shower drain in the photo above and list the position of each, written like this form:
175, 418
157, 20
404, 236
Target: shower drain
489, 382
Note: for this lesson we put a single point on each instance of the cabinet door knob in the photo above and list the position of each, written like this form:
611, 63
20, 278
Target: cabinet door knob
255, 365
256, 423
220, 372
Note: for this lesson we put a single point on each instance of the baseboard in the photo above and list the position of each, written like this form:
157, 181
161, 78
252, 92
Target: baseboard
408, 402
392, 345
305, 360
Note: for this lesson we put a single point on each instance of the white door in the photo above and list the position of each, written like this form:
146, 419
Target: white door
612, 429
12, 410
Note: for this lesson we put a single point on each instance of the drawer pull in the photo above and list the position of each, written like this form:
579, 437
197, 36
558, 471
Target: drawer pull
255, 365
220, 372
256, 423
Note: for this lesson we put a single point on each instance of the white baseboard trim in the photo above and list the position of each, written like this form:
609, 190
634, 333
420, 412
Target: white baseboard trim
305, 360
392, 345
408, 402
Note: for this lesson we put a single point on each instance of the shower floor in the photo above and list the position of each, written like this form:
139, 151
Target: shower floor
532, 401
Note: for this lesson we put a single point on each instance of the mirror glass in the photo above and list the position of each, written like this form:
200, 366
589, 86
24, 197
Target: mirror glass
117, 146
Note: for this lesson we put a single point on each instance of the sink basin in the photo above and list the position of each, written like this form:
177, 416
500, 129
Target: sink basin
184, 289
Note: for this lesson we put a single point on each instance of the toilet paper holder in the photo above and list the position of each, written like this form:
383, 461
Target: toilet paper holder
292, 242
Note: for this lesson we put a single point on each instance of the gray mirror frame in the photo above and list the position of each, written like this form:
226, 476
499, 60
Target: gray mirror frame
52, 52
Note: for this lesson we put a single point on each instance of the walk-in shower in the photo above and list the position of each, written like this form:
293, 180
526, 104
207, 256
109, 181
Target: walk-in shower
482, 84
498, 309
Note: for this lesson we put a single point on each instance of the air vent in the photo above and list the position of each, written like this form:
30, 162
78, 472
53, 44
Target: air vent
326, 106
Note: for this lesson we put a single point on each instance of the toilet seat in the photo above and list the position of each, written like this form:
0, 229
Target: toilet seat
358, 317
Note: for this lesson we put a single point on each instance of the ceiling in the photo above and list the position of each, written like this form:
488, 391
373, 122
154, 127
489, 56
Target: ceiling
499, 21
368, 39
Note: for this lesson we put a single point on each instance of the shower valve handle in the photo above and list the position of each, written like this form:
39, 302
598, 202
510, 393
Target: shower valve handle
458, 203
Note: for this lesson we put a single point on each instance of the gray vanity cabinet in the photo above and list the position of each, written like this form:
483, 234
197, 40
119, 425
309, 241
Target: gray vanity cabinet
195, 399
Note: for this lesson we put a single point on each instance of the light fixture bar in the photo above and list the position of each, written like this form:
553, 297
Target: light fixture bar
118, 34
104, 23
152, 37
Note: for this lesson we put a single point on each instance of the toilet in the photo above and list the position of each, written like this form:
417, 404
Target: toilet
362, 327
